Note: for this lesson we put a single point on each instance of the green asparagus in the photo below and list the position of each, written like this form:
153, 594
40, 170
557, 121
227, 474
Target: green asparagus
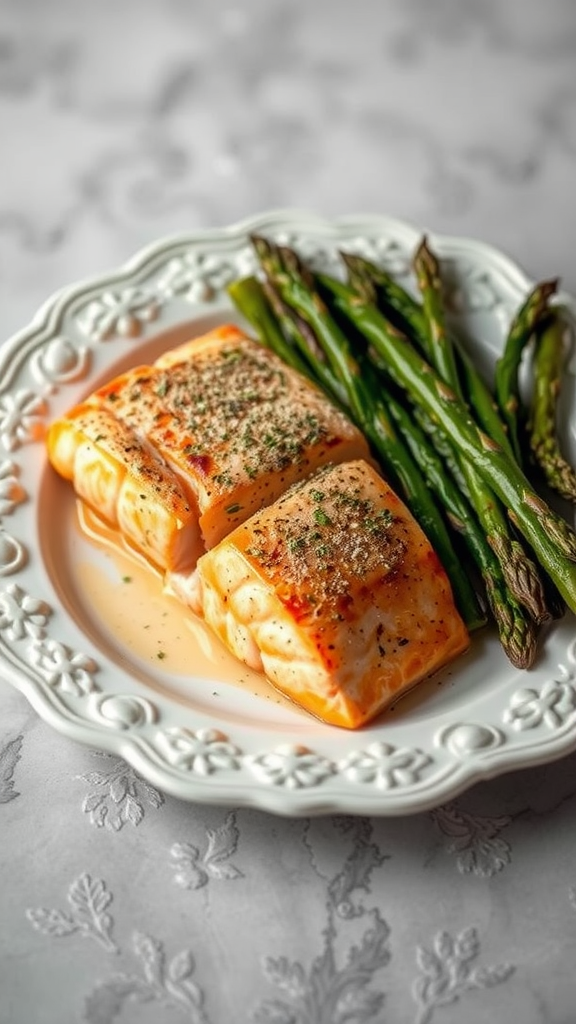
548, 361
519, 571
507, 371
402, 310
517, 631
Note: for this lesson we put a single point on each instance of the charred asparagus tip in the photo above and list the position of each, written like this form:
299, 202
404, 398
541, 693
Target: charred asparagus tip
517, 634
424, 256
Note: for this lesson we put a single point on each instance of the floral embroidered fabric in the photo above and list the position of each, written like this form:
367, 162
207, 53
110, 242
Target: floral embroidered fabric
181, 864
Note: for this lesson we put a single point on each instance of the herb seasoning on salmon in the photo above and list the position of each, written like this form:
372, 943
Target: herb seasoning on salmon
336, 594
221, 418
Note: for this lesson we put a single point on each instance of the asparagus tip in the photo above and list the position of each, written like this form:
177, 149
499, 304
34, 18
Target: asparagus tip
522, 576
518, 634
426, 264
262, 245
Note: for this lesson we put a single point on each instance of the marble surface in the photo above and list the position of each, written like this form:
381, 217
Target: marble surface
121, 123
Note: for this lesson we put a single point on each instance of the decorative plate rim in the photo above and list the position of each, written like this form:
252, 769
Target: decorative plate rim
391, 768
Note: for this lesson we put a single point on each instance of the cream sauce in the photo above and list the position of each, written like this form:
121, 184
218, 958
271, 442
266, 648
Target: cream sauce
146, 619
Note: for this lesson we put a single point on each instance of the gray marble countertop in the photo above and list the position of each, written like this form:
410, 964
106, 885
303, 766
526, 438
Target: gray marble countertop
122, 123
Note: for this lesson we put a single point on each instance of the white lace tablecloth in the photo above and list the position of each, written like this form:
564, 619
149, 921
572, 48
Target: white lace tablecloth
121, 123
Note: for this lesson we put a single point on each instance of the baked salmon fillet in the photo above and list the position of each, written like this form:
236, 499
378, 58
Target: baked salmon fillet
117, 475
335, 593
224, 424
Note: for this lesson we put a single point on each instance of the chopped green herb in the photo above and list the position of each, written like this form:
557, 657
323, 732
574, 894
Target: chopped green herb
321, 518
295, 543
223, 478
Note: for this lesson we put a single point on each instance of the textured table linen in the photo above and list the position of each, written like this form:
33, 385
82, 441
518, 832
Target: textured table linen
122, 123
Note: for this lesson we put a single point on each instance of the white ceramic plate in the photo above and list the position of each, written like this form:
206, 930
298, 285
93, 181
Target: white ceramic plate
194, 734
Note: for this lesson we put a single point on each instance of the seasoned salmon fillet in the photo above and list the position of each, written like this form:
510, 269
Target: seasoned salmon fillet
235, 423
335, 593
117, 475
227, 425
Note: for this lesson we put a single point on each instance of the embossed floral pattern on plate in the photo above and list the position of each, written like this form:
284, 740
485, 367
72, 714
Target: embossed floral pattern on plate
207, 741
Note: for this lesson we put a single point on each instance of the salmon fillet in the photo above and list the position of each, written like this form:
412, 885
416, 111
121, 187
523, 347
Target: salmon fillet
335, 593
234, 422
229, 423
124, 482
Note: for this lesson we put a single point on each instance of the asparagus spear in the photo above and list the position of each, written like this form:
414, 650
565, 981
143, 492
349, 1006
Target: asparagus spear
407, 314
401, 308
507, 370
552, 540
365, 406
517, 632
439, 345
482, 402
548, 360
520, 572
